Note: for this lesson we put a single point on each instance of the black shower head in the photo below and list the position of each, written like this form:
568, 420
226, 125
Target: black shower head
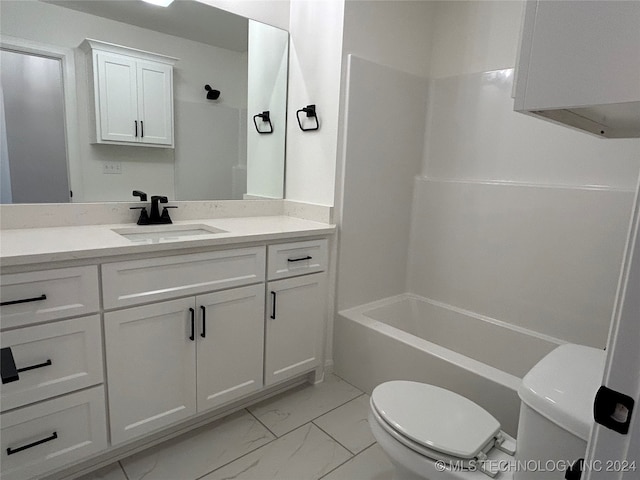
211, 93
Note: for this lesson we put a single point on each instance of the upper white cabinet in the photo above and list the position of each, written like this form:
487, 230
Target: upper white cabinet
133, 95
579, 65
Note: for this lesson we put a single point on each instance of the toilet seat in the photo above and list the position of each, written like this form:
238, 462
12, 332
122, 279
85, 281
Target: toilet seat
457, 431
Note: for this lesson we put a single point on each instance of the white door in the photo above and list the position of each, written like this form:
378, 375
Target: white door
117, 98
151, 367
155, 105
230, 344
294, 324
612, 455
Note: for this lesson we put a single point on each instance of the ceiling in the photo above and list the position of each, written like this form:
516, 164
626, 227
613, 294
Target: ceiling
183, 18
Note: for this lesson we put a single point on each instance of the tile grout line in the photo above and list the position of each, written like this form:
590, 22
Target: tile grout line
346, 461
334, 439
318, 416
123, 470
247, 453
258, 420
345, 381
275, 437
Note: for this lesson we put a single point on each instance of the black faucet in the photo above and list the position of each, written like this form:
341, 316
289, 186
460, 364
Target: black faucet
154, 217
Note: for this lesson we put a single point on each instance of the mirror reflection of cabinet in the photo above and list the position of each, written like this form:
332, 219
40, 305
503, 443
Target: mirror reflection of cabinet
133, 96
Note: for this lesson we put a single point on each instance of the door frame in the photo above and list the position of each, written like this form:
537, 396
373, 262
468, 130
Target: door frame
606, 447
67, 62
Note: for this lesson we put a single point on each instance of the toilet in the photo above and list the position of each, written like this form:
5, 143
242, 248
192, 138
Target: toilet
432, 433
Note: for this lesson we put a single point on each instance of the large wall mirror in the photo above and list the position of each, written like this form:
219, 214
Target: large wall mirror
218, 154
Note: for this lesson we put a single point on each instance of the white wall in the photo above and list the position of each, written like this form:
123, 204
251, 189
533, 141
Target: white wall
148, 169
267, 91
395, 33
474, 36
315, 63
272, 12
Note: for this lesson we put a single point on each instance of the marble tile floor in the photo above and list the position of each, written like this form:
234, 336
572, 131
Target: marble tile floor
310, 432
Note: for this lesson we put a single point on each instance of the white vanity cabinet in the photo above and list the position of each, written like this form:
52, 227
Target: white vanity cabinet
170, 360
52, 397
296, 310
133, 95
115, 353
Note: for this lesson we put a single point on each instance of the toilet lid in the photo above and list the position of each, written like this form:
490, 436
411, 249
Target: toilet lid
435, 418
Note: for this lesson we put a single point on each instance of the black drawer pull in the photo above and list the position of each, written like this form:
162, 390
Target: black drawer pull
33, 367
11, 451
136, 123
204, 321
273, 305
308, 257
9, 370
24, 300
192, 337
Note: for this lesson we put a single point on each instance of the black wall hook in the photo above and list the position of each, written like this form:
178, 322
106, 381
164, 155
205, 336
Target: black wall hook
211, 93
266, 117
310, 111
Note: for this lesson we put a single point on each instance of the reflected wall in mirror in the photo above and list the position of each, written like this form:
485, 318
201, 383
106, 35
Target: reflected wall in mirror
218, 153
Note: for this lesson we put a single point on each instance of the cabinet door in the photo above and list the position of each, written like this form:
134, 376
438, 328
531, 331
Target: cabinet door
151, 367
117, 97
294, 323
155, 104
230, 344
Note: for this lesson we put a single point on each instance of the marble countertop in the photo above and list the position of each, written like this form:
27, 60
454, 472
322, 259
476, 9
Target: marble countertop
52, 244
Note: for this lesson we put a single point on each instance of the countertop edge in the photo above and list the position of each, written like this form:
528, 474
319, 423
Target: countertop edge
101, 254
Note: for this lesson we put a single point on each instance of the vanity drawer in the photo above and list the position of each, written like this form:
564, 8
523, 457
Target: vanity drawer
297, 258
156, 279
47, 295
51, 434
67, 356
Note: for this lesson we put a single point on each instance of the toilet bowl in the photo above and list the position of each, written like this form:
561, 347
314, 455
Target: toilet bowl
431, 433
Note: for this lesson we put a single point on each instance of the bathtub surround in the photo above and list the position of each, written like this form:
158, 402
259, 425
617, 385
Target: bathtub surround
519, 220
539, 257
383, 148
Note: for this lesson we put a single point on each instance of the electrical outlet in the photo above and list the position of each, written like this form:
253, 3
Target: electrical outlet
114, 168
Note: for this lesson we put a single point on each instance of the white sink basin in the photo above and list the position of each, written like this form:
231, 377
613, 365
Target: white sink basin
166, 233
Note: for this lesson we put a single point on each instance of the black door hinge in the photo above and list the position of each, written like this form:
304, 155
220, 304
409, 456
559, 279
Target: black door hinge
613, 410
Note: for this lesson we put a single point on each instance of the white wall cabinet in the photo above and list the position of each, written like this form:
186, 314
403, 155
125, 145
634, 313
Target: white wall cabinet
579, 64
133, 95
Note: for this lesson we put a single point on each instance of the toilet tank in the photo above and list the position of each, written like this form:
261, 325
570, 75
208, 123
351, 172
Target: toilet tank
556, 411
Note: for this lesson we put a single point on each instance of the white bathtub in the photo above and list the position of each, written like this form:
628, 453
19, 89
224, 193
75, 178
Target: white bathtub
412, 338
